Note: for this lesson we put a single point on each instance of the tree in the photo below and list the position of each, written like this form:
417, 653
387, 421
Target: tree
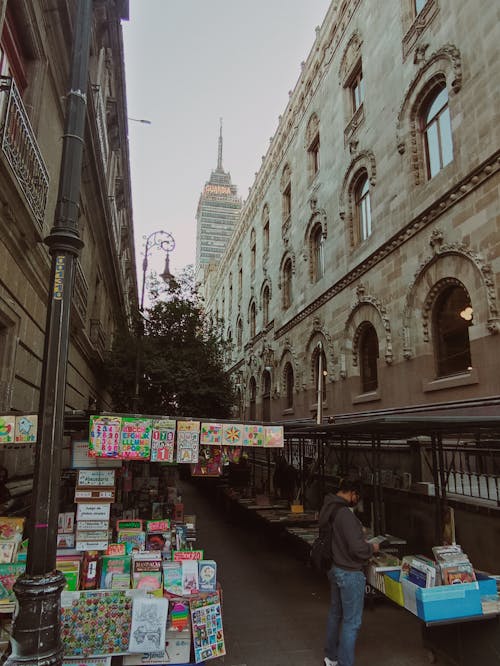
181, 358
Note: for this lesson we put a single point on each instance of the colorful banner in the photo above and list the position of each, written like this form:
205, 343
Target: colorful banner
104, 436
135, 439
188, 441
163, 440
211, 434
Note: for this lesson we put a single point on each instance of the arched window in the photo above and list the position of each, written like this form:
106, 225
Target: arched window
287, 284
252, 251
240, 277
418, 5
318, 253
368, 357
265, 230
265, 305
252, 320
289, 383
436, 129
452, 317
252, 389
363, 207
239, 333
312, 143
286, 194
230, 291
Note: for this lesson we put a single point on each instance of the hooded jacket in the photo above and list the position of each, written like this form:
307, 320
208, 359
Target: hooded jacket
349, 548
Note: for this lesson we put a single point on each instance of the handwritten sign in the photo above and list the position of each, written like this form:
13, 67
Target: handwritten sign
180, 555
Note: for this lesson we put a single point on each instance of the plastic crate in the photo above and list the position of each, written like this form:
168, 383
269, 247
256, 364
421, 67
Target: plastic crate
447, 602
393, 588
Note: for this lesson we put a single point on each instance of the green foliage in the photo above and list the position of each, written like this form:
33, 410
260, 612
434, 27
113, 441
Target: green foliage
181, 365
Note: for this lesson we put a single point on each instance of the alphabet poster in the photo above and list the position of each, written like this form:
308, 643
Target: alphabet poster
135, 439
253, 435
163, 440
188, 441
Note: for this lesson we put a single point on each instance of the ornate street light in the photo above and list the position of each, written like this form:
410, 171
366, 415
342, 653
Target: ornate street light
164, 241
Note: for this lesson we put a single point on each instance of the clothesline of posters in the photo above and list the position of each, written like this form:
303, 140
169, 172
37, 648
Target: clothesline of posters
173, 440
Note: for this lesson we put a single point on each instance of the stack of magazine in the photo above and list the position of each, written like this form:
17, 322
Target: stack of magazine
454, 565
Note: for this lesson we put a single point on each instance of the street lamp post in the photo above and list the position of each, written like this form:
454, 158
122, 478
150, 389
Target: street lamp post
36, 631
164, 241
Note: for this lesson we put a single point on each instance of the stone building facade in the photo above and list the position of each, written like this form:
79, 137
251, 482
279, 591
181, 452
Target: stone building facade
365, 267
35, 57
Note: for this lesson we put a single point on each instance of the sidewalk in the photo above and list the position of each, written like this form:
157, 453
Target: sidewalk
275, 608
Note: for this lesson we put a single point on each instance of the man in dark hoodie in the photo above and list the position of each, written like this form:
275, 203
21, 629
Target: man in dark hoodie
350, 552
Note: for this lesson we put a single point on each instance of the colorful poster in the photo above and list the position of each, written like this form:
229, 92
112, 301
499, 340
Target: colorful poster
232, 434
209, 462
7, 429
211, 434
274, 436
90, 661
104, 436
208, 634
95, 623
163, 440
188, 441
135, 439
253, 435
232, 454
26, 427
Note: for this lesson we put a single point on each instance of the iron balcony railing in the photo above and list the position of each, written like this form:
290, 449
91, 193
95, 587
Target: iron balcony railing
20, 147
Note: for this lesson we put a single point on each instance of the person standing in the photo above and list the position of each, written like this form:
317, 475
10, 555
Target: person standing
350, 552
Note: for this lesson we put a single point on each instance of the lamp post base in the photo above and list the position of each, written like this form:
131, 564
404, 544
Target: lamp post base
36, 632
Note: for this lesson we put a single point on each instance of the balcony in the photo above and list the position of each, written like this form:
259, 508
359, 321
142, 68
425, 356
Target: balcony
20, 148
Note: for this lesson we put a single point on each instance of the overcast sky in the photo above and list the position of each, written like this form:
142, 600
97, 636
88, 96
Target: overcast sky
188, 63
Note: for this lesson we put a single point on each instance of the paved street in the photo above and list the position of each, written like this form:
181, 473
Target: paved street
274, 608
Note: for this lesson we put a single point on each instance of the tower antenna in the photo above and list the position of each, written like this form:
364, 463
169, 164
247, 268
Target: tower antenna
219, 159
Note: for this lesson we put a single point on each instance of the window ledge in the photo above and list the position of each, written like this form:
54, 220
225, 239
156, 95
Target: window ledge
289, 410
453, 381
314, 406
371, 396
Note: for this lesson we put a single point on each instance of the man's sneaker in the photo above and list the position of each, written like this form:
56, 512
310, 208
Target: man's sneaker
329, 662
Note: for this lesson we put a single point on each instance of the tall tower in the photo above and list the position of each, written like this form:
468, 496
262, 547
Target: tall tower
218, 212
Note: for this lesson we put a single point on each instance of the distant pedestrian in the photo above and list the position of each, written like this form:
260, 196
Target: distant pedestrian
350, 552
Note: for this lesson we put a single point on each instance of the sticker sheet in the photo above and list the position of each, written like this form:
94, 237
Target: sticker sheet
188, 441
95, 623
208, 634
211, 434
135, 439
104, 436
163, 440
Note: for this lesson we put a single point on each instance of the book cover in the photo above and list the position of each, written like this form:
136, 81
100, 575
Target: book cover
112, 565
133, 540
8, 550
172, 577
190, 583
458, 573
207, 575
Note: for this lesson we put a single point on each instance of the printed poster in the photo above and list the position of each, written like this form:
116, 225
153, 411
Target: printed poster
26, 428
135, 440
104, 436
211, 434
149, 623
89, 661
274, 436
253, 435
232, 434
208, 634
163, 440
188, 441
7, 429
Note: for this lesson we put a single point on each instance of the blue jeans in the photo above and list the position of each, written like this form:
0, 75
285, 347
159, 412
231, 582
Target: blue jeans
344, 616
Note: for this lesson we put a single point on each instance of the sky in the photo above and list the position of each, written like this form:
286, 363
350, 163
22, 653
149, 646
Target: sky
189, 63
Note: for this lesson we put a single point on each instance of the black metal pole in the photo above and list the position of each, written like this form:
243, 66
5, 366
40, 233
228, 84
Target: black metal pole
36, 630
